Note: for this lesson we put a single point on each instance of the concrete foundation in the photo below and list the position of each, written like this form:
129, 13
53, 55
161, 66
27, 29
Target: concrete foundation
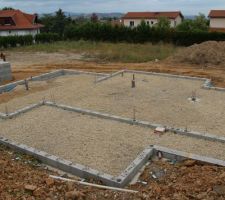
120, 181
85, 172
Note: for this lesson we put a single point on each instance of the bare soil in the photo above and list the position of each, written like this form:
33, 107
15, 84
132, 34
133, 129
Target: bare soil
204, 54
25, 64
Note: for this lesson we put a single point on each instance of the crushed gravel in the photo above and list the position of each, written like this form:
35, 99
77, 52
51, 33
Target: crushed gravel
101, 144
155, 99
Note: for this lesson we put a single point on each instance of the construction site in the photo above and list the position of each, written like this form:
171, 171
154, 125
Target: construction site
139, 133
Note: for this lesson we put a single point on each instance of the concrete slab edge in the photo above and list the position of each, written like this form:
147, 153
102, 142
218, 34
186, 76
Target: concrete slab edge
120, 181
180, 155
64, 165
130, 121
46, 76
206, 85
110, 76
23, 110
129, 173
71, 72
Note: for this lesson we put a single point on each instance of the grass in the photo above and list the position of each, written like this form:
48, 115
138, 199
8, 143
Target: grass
105, 51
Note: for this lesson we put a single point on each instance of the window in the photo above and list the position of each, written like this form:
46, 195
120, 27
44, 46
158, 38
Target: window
147, 22
131, 23
7, 21
152, 22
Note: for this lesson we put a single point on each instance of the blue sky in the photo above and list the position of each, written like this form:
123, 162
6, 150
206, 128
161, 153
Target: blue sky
188, 7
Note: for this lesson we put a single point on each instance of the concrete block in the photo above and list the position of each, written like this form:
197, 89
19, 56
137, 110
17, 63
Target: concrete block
5, 71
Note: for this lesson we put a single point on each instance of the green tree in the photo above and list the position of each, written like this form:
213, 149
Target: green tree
185, 26
200, 23
163, 23
7, 8
56, 23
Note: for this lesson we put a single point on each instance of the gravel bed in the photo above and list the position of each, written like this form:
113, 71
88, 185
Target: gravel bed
156, 99
104, 145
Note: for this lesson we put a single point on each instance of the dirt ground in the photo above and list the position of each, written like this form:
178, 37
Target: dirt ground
25, 64
162, 179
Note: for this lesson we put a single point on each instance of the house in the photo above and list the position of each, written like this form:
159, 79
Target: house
133, 19
15, 22
217, 20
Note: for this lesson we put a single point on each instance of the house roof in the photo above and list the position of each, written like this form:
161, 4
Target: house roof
217, 14
21, 20
152, 15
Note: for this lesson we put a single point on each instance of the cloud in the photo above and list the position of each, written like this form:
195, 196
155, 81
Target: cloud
46, 6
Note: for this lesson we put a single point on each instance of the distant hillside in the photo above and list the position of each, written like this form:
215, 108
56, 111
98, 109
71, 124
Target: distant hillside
190, 16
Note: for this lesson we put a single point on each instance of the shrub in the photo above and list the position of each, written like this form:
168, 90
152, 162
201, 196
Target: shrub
47, 37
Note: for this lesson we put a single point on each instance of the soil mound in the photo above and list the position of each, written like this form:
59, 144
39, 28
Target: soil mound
206, 53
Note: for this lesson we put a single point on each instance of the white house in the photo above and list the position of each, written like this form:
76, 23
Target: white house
217, 20
133, 19
15, 22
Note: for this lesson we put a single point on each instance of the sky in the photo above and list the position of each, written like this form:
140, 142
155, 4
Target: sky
188, 7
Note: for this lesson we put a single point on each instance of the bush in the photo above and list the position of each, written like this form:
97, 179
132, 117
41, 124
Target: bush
47, 37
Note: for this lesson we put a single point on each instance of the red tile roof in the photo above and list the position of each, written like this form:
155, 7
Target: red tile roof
152, 15
22, 20
217, 14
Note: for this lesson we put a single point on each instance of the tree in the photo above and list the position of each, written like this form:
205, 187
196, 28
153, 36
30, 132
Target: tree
56, 23
200, 23
7, 8
185, 26
163, 24
94, 18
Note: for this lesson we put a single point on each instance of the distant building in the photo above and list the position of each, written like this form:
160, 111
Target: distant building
15, 22
133, 19
217, 20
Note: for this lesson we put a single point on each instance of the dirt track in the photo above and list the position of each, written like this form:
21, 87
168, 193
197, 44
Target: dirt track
26, 64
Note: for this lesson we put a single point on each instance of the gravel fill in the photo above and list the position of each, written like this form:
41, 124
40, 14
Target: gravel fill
105, 145
156, 99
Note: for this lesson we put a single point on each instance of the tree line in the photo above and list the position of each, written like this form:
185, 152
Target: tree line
190, 31
62, 27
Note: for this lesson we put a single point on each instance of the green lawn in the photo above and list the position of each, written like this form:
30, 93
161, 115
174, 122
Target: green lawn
104, 51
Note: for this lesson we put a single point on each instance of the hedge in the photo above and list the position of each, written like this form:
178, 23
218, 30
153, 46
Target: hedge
140, 34
13, 41
46, 37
